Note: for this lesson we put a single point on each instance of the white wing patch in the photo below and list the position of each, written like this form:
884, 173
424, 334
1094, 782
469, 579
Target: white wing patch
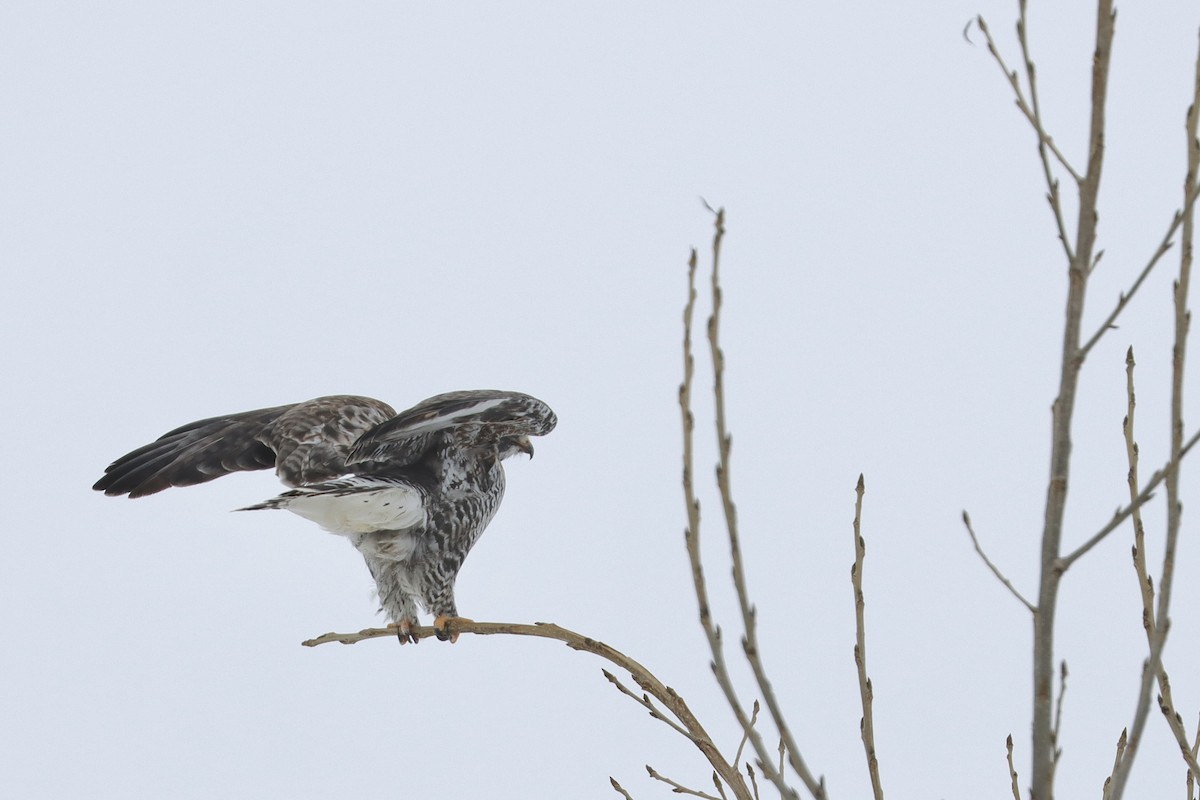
355, 506
447, 419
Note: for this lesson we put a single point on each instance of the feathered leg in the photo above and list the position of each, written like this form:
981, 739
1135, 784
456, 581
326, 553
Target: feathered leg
394, 600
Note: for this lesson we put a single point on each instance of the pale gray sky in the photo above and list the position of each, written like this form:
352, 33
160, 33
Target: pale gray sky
211, 207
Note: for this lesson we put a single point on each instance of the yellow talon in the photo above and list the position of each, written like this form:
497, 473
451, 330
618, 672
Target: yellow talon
443, 627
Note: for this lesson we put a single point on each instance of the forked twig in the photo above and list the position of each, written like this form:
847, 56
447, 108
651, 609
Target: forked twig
692, 539
1033, 114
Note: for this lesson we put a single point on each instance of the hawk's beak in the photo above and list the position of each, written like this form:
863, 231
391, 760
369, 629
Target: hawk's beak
524, 445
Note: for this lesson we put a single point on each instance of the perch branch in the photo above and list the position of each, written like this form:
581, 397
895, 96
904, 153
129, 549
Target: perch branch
544, 630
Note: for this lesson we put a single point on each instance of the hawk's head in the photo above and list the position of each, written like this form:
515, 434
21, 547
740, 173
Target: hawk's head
511, 445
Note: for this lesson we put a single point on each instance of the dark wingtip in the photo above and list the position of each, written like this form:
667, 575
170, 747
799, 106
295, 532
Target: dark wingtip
113, 486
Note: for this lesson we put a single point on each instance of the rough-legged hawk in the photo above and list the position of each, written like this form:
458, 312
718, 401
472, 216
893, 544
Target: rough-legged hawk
411, 491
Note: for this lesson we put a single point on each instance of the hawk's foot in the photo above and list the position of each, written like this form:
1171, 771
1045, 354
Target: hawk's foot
403, 630
444, 627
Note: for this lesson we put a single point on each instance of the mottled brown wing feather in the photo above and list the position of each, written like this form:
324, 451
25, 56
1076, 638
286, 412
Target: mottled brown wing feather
306, 442
480, 416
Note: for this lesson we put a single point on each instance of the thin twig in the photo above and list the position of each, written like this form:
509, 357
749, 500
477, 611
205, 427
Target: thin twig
724, 445
1117, 760
678, 788
1132, 737
1145, 585
619, 788
716, 779
1056, 731
737, 758
1192, 777
544, 630
1166, 704
866, 691
645, 702
1161, 622
1012, 769
995, 570
1126, 296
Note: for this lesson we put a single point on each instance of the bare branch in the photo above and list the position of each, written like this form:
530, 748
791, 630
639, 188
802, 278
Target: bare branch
1034, 116
1166, 704
995, 570
1157, 621
1063, 409
1145, 585
692, 541
1124, 512
724, 444
865, 690
1120, 757
1012, 769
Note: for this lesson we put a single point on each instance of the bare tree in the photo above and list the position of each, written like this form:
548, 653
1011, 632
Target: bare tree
1082, 256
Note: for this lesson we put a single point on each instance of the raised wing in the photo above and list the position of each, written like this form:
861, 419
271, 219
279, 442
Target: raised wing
305, 442
471, 418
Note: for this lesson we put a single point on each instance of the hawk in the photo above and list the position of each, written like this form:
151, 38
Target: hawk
411, 491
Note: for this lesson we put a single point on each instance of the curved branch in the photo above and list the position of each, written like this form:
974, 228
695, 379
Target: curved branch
576, 641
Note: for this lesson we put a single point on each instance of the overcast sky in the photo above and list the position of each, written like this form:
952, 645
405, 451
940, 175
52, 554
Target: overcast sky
212, 207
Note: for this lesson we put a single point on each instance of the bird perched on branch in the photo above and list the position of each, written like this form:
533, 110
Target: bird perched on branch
411, 491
